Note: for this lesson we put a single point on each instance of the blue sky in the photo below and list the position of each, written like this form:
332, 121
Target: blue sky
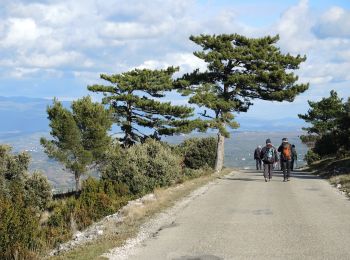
57, 47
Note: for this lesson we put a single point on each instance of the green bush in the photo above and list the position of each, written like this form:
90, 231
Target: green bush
98, 198
38, 190
144, 166
199, 152
58, 227
195, 173
22, 199
20, 236
311, 157
327, 145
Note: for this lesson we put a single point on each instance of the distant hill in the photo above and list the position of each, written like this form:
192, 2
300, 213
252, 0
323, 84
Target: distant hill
23, 115
287, 124
24, 121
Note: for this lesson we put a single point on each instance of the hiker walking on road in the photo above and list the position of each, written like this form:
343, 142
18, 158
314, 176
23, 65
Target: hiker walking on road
257, 157
269, 157
286, 157
294, 157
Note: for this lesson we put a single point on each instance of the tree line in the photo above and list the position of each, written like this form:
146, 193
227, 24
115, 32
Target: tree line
239, 71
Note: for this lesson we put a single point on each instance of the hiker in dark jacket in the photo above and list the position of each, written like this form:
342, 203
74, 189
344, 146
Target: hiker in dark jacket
294, 157
269, 157
286, 157
257, 158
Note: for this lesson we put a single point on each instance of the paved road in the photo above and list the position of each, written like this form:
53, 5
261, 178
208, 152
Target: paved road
242, 217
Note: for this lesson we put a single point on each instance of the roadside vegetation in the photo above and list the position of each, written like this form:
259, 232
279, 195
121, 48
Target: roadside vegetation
239, 71
328, 137
32, 222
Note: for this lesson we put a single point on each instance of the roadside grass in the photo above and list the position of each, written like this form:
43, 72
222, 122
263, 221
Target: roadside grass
337, 171
116, 235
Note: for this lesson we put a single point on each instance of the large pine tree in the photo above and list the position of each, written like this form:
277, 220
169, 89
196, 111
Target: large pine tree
134, 98
239, 70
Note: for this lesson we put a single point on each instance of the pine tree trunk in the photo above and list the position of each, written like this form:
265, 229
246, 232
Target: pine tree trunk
220, 153
77, 181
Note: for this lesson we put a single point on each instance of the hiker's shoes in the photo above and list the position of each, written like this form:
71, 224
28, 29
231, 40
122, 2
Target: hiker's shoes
284, 180
265, 180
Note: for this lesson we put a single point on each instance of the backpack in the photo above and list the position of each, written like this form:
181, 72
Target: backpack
269, 156
287, 152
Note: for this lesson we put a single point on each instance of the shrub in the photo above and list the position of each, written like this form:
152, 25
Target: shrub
327, 145
20, 206
195, 173
144, 166
311, 157
38, 190
199, 152
98, 198
19, 229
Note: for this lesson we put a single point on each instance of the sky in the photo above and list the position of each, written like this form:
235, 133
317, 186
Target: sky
55, 48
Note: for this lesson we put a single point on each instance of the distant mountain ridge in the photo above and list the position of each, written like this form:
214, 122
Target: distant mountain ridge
21, 115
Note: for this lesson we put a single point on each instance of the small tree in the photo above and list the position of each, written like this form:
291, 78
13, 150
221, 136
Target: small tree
323, 115
80, 136
133, 100
329, 124
239, 70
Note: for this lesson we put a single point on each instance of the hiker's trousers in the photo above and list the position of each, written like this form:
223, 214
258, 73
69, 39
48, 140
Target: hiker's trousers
258, 164
268, 170
286, 169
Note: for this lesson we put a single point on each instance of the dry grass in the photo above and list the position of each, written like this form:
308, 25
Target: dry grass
342, 182
135, 216
337, 171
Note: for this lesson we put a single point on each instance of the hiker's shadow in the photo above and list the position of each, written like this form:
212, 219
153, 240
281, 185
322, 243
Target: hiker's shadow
240, 179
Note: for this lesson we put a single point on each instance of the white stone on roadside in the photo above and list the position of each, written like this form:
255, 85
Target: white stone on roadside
148, 197
78, 235
99, 232
338, 185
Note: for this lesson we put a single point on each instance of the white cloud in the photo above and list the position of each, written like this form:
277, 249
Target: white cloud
21, 32
29, 72
22, 72
294, 28
186, 61
334, 23
57, 60
133, 30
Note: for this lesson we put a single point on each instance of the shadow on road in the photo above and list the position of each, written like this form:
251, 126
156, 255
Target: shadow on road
240, 179
254, 175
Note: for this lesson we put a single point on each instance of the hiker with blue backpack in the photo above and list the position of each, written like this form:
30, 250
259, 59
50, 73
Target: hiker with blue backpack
286, 158
269, 157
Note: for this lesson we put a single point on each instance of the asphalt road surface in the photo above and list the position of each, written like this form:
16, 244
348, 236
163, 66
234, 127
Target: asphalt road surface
242, 217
